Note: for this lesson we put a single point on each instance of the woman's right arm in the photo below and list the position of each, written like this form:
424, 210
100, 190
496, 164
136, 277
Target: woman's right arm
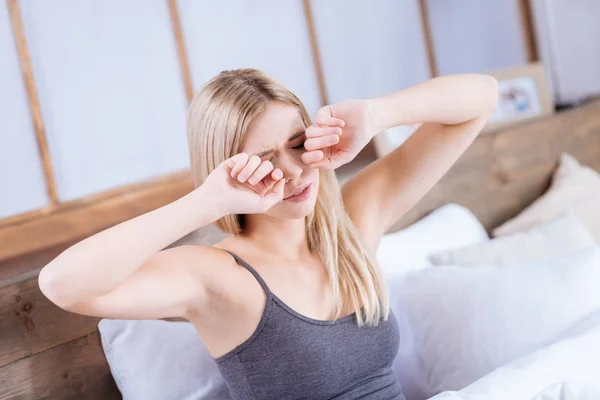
122, 272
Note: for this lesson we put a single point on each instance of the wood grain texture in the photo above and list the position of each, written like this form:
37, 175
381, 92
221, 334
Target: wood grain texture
528, 31
30, 323
76, 370
501, 174
181, 51
316, 54
82, 218
428, 38
34, 102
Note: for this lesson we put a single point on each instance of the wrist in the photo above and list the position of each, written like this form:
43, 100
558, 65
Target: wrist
388, 111
376, 117
205, 207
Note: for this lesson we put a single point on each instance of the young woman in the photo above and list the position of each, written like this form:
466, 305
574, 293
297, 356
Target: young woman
292, 304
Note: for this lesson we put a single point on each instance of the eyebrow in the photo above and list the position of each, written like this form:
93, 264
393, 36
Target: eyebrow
294, 136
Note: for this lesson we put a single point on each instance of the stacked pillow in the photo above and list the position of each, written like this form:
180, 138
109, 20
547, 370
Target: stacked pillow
447, 227
573, 187
466, 317
562, 235
459, 324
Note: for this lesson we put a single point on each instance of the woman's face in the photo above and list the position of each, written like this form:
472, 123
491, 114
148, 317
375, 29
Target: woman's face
277, 135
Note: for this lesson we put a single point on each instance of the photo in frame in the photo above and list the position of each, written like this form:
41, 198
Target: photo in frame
523, 94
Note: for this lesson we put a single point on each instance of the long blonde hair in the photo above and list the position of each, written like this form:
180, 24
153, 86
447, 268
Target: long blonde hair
218, 119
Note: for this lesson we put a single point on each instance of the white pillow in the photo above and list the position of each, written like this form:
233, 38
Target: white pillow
447, 227
562, 235
458, 324
160, 360
573, 186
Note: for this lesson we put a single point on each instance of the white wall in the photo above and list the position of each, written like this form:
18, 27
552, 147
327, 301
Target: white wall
22, 185
264, 34
476, 35
110, 91
370, 47
112, 94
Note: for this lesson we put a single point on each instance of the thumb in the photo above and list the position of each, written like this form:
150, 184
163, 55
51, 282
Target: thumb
324, 111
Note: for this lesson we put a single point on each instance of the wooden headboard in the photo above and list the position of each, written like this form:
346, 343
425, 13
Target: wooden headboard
48, 353
502, 173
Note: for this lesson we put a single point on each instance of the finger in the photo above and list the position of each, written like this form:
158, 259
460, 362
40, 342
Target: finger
324, 164
248, 170
277, 174
323, 119
263, 169
310, 157
321, 142
236, 163
268, 182
333, 162
317, 131
276, 194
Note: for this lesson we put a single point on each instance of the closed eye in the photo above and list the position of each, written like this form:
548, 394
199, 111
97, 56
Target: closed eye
300, 146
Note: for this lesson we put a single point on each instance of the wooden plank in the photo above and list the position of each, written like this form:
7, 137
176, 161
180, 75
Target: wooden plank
314, 47
73, 371
97, 197
502, 173
34, 102
528, 33
181, 52
429, 45
82, 218
30, 323
20, 268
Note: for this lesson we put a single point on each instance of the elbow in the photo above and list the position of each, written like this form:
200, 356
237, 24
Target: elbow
50, 285
490, 89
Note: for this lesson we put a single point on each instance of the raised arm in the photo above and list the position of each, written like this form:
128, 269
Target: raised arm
453, 110
122, 272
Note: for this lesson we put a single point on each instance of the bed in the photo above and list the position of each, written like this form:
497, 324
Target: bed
47, 353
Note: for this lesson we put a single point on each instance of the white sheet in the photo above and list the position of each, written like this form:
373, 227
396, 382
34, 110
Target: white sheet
566, 370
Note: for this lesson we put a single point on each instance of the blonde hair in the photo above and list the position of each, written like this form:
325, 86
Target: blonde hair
218, 119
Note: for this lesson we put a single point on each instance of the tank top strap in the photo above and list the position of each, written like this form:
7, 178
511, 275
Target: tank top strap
252, 270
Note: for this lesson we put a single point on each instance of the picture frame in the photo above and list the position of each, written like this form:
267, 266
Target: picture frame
524, 94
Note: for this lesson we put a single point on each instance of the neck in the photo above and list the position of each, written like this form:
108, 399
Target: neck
288, 236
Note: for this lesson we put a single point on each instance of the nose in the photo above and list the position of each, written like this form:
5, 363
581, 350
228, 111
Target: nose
291, 166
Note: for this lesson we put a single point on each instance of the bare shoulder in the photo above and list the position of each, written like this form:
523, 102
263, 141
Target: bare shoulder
219, 275
209, 265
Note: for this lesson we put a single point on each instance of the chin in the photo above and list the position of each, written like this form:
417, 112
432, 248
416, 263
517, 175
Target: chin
288, 210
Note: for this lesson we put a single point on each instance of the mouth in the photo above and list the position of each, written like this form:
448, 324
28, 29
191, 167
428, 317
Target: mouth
301, 193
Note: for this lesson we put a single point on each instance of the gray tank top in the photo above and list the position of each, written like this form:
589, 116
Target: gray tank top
292, 356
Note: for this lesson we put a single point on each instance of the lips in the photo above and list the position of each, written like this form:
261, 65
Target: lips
297, 191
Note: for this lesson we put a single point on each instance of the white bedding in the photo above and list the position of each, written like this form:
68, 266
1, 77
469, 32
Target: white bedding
569, 369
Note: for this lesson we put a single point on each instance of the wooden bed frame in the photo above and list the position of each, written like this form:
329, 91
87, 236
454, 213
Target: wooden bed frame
47, 353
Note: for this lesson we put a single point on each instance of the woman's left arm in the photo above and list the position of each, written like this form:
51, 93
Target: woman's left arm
452, 109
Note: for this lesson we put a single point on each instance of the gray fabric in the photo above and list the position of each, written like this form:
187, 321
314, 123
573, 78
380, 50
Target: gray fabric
291, 356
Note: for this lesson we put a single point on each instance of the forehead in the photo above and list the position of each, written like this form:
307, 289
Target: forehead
273, 126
